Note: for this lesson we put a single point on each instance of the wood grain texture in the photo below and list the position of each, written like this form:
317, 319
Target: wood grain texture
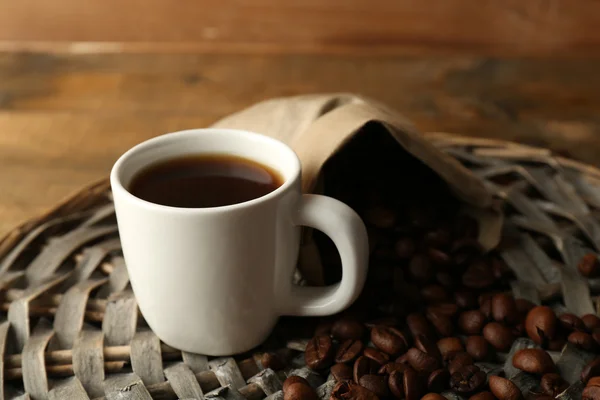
183, 382
540, 27
64, 119
88, 361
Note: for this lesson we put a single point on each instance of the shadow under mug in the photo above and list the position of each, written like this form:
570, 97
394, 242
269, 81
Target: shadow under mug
215, 280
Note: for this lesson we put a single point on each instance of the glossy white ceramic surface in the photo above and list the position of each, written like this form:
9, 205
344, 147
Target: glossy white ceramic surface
215, 280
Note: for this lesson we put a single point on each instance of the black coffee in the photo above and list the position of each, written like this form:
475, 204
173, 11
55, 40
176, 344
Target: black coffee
204, 181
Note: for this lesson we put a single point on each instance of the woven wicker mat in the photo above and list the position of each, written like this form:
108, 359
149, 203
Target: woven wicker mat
72, 329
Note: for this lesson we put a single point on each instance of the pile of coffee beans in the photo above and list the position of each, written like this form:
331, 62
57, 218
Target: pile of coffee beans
437, 309
412, 359
434, 307
298, 388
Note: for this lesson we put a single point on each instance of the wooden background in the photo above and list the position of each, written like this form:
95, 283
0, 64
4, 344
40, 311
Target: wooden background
499, 27
81, 82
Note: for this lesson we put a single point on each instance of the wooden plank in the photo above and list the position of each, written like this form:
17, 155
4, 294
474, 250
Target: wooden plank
120, 319
35, 379
227, 372
88, 361
4, 326
146, 359
183, 382
125, 387
64, 119
70, 388
512, 27
70, 313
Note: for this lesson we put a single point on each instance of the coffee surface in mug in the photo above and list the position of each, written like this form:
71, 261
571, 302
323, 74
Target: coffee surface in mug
204, 180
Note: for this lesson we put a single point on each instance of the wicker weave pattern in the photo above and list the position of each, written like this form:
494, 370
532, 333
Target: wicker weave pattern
73, 330
550, 198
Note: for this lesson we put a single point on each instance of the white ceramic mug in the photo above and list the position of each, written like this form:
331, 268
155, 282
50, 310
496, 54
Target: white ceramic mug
215, 280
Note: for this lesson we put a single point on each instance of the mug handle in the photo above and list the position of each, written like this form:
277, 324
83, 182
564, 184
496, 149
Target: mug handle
346, 229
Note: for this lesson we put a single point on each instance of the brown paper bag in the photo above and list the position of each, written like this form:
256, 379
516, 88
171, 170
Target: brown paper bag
319, 126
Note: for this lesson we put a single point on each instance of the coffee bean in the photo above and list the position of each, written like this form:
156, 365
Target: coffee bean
389, 340
348, 350
376, 355
300, 391
591, 393
439, 257
478, 275
405, 248
524, 306
434, 293
433, 396
504, 389
468, 379
534, 361
595, 381
483, 396
348, 390
449, 345
438, 380
540, 324
396, 383
592, 390
346, 328
457, 361
471, 322
440, 237
319, 352
478, 348
391, 367
486, 306
364, 366
422, 362
498, 335
403, 359
294, 379
591, 322
504, 309
419, 325
553, 385
442, 324
428, 346
501, 270
465, 299
413, 390
591, 370
450, 310
571, 322
446, 279
465, 250
341, 372
589, 266
376, 384
582, 340
381, 217
273, 361
323, 328
420, 268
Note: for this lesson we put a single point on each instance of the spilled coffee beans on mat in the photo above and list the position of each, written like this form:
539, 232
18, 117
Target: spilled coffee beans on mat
437, 319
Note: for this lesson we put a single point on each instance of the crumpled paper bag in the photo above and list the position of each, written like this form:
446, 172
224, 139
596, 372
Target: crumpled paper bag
319, 126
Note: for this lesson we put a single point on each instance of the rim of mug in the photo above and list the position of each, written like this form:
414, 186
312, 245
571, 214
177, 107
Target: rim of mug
117, 185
